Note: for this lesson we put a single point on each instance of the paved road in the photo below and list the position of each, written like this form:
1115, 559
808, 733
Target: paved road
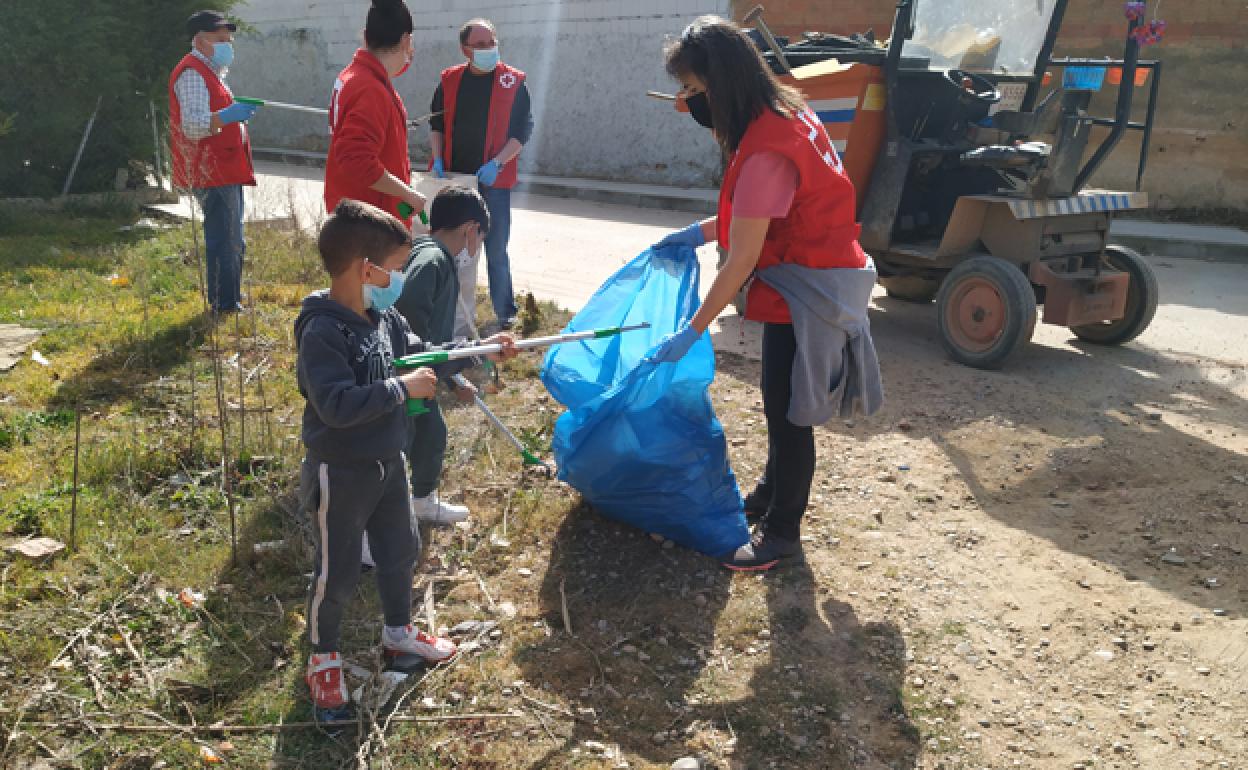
563, 249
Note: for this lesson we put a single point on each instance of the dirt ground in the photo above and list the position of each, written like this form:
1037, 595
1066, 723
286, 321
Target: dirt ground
1059, 547
1040, 567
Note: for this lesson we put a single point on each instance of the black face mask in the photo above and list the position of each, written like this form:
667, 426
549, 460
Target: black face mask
700, 109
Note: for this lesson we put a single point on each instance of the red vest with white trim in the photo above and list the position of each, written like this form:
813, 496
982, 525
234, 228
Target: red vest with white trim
820, 229
507, 81
218, 160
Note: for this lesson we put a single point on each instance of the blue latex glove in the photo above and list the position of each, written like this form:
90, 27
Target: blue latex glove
690, 236
674, 346
237, 113
438, 169
488, 173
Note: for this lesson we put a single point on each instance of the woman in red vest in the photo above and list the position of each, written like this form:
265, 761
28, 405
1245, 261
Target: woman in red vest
786, 220
368, 122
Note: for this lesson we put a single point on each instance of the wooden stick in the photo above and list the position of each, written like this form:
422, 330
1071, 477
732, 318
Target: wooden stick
563, 602
138, 657
242, 388
120, 727
430, 613
73, 505
485, 592
190, 454
552, 708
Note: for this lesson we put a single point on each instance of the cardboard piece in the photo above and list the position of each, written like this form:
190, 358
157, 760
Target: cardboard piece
428, 185
37, 547
14, 340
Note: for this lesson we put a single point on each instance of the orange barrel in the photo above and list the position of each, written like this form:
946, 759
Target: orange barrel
850, 100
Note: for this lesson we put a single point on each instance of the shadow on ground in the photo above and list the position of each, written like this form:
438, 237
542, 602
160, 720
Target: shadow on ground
1114, 454
675, 656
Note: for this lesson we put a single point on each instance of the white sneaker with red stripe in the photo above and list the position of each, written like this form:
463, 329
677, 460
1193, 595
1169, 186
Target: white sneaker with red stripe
408, 640
325, 680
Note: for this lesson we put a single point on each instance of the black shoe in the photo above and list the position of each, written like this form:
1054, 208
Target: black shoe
506, 324
762, 553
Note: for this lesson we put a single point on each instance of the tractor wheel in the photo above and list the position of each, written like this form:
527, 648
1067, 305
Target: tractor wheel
986, 308
911, 288
1141, 301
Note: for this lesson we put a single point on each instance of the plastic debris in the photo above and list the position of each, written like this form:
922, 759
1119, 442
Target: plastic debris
376, 693
209, 756
37, 547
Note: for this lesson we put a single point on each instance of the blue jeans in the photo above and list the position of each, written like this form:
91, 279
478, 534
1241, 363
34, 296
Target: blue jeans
497, 263
224, 246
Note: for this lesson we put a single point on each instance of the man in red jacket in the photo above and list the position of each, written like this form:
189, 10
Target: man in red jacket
211, 154
485, 120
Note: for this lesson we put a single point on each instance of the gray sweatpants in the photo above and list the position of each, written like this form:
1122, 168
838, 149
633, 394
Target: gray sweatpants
344, 501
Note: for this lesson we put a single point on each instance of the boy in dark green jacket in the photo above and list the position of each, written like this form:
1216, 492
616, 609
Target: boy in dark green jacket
458, 222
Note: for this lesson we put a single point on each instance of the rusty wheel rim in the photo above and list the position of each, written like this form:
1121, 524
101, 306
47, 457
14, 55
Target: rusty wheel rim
975, 315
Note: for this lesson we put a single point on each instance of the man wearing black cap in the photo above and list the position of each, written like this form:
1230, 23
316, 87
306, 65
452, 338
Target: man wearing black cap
211, 153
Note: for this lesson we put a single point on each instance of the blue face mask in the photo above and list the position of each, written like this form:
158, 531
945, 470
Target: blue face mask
380, 298
485, 60
222, 55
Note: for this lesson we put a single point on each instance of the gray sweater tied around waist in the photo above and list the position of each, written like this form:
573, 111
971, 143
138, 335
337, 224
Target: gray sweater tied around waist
836, 371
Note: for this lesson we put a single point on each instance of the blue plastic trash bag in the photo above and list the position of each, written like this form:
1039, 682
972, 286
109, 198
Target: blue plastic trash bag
640, 440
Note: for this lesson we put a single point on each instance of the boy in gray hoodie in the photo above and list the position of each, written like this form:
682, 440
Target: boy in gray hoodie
458, 222
355, 429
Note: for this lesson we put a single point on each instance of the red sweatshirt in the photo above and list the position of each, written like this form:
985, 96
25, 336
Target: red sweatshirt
368, 135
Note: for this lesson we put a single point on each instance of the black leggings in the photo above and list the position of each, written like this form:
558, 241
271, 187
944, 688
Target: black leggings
785, 487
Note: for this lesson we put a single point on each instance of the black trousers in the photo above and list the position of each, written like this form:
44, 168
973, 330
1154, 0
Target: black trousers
784, 489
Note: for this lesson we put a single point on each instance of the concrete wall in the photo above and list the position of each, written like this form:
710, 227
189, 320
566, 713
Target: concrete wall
1199, 153
589, 63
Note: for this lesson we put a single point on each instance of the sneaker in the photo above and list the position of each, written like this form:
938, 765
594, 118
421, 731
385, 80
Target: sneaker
410, 641
431, 510
366, 555
325, 681
763, 552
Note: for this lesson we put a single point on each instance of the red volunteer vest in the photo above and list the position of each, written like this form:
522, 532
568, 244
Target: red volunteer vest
820, 229
365, 88
507, 82
221, 159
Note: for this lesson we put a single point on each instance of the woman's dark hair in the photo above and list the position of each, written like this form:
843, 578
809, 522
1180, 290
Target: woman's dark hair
739, 84
388, 21
454, 205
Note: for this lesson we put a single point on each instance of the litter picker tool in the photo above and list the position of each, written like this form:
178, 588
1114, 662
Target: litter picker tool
435, 357
416, 122
280, 105
529, 457
405, 211
413, 123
